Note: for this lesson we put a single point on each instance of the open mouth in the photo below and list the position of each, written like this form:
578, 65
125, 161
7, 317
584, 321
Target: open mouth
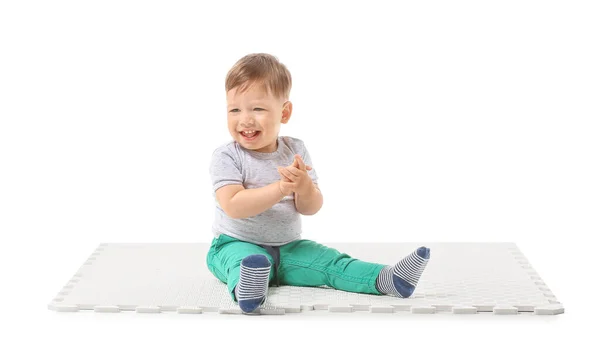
250, 136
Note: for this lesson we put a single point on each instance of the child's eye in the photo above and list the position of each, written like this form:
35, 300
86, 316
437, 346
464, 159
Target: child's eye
235, 110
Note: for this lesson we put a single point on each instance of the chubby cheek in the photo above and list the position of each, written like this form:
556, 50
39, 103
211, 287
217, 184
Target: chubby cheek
231, 126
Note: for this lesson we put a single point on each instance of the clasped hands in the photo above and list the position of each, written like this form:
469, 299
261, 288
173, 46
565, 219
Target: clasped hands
295, 178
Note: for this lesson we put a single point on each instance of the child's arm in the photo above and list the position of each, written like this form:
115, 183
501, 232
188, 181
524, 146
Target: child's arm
251, 202
310, 203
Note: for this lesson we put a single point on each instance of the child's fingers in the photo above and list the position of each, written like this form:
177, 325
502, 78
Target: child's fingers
300, 162
285, 172
293, 170
283, 177
308, 167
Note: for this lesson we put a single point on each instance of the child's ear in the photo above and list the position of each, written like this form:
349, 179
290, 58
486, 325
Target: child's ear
286, 113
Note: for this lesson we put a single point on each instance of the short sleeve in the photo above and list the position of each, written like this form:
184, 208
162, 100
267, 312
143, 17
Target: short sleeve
308, 161
224, 169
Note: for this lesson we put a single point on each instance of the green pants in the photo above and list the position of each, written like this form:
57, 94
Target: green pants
302, 263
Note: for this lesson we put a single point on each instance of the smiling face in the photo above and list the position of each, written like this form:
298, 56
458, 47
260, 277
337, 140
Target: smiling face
259, 111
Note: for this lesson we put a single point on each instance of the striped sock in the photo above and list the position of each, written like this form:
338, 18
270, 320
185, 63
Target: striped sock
251, 290
402, 279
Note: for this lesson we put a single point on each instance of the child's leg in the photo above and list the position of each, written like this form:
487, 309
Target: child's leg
228, 257
308, 263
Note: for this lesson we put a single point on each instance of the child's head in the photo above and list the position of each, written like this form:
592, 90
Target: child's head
258, 89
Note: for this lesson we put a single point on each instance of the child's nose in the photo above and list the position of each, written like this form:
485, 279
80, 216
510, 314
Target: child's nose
247, 119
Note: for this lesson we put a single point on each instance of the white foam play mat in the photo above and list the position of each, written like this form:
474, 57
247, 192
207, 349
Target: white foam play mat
460, 278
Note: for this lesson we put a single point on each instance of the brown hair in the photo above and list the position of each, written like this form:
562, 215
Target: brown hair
263, 69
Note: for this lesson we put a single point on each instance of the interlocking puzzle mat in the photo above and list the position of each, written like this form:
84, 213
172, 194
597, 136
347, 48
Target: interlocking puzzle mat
460, 278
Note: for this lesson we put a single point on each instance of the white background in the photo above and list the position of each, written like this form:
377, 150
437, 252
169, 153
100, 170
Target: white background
447, 121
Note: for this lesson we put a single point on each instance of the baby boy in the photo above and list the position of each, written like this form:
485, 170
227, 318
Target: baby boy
262, 182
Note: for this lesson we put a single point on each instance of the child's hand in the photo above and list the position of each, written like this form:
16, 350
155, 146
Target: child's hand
296, 165
295, 178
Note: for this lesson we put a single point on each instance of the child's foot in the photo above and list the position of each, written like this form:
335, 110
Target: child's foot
251, 290
402, 279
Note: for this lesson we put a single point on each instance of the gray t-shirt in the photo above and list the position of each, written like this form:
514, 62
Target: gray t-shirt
233, 164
